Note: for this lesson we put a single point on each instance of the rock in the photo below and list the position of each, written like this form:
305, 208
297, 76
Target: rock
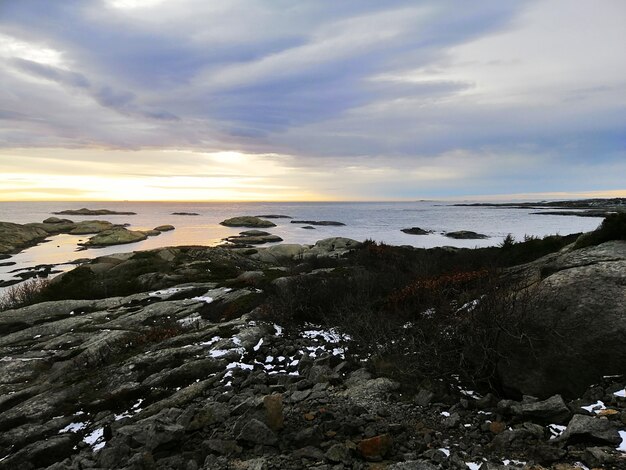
85, 211
591, 428
338, 453
308, 227
253, 237
164, 228
273, 405
416, 231
185, 213
274, 216
247, 221
552, 410
424, 397
375, 448
56, 220
465, 235
318, 222
575, 315
256, 432
91, 226
222, 446
116, 236
413, 465
597, 457
14, 237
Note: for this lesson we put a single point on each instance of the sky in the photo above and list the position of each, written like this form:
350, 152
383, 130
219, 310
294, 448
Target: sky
311, 99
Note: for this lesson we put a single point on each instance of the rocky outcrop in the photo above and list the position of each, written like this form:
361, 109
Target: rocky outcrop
253, 237
115, 236
247, 221
15, 237
164, 228
465, 235
329, 247
85, 211
274, 216
573, 330
185, 213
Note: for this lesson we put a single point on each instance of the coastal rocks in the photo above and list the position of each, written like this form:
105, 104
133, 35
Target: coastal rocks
164, 228
56, 220
185, 213
465, 235
334, 247
574, 323
247, 221
115, 236
253, 237
416, 231
274, 216
85, 211
591, 428
319, 222
14, 237
91, 226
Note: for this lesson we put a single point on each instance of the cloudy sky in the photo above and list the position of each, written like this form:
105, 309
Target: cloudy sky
311, 99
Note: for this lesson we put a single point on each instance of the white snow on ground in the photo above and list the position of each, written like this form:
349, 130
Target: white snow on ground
330, 336
95, 439
190, 320
239, 365
620, 393
258, 345
211, 342
596, 407
580, 465
446, 451
520, 463
445, 413
279, 330
160, 293
622, 446
556, 430
215, 353
73, 427
473, 465
203, 298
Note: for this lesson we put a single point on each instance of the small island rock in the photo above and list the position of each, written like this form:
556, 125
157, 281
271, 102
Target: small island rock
115, 236
247, 221
318, 222
416, 231
85, 211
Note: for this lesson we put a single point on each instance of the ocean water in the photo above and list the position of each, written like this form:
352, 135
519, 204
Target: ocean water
380, 221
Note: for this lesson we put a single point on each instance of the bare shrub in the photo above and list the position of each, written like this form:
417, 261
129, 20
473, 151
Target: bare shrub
25, 293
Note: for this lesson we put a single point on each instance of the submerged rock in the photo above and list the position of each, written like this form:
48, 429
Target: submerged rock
318, 222
164, 228
416, 231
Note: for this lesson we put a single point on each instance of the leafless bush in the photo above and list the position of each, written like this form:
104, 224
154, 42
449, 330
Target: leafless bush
23, 294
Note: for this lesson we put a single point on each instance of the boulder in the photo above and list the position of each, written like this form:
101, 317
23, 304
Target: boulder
375, 448
591, 429
185, 213
552, 410
255, 432
572, 326
116, 236
465, 235
56, 220
247, 221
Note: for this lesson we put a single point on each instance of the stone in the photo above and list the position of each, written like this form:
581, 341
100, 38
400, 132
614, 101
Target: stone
496, 427
465, 235
591, 429
91, 226
185, 213
256, 432
274, 216
575, 315
56, 220
222, 446
164, 228
413, 465
338, 453
551, 410
597, 457
14, 237
424, 397
274, 417
247, 221
416, 231
375, 448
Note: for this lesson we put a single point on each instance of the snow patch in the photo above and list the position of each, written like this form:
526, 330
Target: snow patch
620, 393
622, 446
473, 465
445, 450
595, 408
203, 298
556, 430
73, 427
95, 439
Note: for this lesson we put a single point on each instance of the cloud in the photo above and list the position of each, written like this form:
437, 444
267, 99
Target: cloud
420, 93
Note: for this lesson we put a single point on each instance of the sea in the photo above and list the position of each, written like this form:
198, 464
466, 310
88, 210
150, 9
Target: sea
379, 221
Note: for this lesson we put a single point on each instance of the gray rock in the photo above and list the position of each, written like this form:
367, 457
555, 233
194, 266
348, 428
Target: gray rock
552, 410
256, 432
115, 236
574, 315
338, 453
597, 457
247, 221
591, 429
413, 465
222, 446
164, 228
465, 235
424, 397
416, 231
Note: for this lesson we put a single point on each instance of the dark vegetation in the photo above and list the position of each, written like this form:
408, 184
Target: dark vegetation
613, 227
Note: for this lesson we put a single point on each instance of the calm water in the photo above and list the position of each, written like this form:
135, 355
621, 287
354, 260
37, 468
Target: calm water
378, 221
